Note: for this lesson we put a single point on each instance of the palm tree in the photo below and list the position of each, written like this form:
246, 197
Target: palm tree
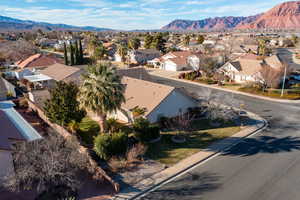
101, 91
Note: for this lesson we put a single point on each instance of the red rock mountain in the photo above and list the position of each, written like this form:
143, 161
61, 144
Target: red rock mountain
282, 16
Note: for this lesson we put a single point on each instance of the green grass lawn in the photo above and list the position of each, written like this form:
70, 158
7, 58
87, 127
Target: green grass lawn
169, 153
88, 129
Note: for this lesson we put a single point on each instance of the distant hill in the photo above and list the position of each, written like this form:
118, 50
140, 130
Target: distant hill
12, 24
283, 16
216, 23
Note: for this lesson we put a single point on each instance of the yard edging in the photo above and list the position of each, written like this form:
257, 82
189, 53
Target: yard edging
232, 91
167, 175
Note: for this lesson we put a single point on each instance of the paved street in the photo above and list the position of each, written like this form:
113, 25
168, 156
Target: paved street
263, 167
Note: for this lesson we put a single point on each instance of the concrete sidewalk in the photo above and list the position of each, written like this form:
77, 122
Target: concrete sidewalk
165, 74
189, 163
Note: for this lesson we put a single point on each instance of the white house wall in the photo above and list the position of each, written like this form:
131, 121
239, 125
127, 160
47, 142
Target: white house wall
171, 106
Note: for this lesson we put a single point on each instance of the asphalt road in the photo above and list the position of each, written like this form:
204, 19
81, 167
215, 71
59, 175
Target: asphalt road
263, 167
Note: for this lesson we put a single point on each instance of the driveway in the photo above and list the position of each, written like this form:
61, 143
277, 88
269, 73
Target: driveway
264, 167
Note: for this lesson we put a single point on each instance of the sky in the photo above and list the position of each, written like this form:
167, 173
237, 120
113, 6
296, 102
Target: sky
129, 14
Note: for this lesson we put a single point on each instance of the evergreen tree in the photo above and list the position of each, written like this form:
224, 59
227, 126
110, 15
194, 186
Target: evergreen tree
66, 54
80, 52
148, 41
159, 43
72, 55
76, 53
63, 107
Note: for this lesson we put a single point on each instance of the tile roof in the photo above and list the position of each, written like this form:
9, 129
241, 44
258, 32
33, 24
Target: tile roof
144, 94
59, 71
38, 60
273, 61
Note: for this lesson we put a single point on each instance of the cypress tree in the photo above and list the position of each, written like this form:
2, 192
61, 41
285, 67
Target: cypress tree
66, 54
72, 54
76, 53
81, 52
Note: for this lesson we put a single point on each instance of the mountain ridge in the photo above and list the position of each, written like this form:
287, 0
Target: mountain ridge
13, 24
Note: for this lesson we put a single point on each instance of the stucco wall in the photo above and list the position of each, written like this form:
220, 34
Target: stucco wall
171, 106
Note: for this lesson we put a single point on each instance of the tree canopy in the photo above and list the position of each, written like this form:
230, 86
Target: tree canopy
63, 107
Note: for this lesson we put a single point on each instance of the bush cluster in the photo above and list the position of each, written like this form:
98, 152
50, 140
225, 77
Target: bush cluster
109, 145
144, 131
190, 75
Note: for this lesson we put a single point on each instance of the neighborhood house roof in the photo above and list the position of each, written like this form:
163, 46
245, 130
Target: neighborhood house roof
273, 61
59, 71
144, 94
37, 60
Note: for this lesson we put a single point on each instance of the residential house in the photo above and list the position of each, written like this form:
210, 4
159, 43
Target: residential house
177, 61
38, 61
142, 56
61, 72
158, 100
47, 77
244, 69
35, 62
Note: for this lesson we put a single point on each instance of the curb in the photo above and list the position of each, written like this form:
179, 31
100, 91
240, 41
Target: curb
232, 91
157, 180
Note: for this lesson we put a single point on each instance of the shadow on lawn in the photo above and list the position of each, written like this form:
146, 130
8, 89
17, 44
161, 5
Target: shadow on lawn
187, 187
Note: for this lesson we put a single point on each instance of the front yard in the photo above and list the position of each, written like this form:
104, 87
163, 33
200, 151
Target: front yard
170, 153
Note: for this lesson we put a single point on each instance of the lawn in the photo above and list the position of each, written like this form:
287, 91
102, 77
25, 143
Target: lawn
170, 153
88, 129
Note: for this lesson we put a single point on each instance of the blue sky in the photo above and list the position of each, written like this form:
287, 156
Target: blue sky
129, 14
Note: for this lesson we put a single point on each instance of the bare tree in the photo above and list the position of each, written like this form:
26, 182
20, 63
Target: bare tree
47, 163
271, 77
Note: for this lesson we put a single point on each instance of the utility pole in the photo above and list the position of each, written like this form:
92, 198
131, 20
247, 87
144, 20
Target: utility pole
283, 84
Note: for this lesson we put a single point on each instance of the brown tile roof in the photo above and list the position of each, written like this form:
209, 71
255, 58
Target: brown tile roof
181, 54
273, 61
249, 67
59, 71
179, 61
250, 56
8, 132
135, 72
144, 94
38, 60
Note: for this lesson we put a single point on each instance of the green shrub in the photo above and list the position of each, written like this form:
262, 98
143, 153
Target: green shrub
144, 131
109, 145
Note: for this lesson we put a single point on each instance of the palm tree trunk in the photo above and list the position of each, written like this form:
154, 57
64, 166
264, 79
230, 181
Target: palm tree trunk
102, 123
